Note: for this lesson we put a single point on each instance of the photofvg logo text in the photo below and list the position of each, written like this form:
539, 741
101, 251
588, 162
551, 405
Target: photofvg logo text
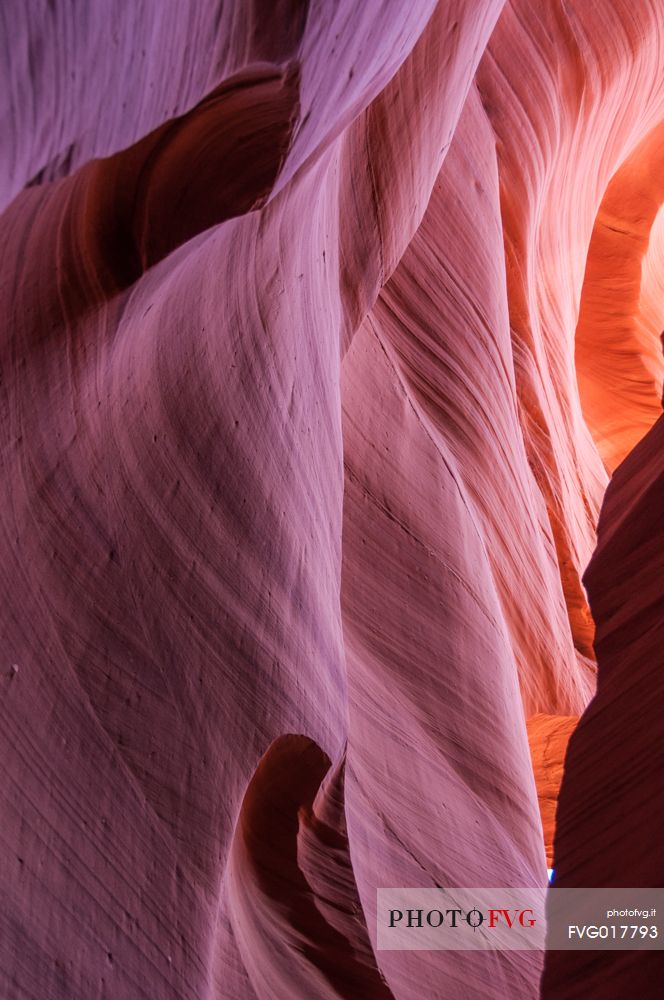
474, 918
523, 919
461, 919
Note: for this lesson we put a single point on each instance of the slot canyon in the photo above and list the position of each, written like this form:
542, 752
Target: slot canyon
333, 487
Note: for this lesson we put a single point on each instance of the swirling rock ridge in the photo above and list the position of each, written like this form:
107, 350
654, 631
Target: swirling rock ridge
324, 328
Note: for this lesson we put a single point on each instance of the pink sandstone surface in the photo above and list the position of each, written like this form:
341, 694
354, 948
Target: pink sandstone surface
324, 327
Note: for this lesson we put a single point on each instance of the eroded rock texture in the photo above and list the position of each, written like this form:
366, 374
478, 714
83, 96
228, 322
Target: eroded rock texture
611, 801
299, 483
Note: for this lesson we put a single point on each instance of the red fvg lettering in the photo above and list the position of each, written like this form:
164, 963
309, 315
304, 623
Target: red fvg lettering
511, 916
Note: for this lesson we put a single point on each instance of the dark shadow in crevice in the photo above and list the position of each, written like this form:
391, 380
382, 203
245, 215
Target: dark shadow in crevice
218, 161
293, 899
92, 235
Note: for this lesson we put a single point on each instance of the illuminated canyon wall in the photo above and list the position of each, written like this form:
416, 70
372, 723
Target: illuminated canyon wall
303, 459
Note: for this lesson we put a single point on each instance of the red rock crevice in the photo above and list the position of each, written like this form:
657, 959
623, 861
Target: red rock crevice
289, 884
292, 443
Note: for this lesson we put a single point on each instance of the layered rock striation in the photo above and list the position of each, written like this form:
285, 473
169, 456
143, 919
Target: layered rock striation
305, 439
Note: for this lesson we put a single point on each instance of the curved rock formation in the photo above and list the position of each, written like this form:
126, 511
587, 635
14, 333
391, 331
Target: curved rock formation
611, 799
300, 483
548, 737
618, 354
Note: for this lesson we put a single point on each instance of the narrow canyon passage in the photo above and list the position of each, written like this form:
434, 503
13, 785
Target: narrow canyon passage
611, 799
332, 460
619, 365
